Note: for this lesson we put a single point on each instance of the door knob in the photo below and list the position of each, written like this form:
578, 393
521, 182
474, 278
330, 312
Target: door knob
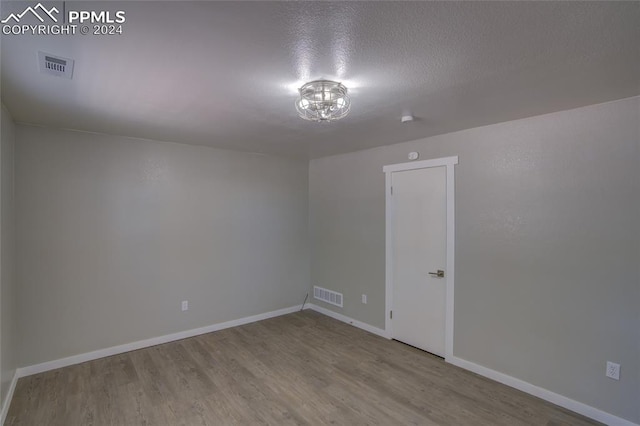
439, 274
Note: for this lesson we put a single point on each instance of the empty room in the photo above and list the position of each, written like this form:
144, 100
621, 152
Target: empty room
310, 213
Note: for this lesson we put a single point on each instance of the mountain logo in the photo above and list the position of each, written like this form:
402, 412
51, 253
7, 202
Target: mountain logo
34, 12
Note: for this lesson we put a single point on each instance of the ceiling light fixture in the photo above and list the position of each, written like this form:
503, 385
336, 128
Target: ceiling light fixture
323, 100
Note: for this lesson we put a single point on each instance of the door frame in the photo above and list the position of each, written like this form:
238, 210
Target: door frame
449, 163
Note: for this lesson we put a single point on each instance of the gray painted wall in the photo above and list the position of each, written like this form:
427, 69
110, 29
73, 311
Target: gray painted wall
113, 233
547, 246
8, 336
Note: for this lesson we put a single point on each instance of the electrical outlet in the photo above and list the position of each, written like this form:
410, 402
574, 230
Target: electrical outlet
364, 299
613, 370
185, 305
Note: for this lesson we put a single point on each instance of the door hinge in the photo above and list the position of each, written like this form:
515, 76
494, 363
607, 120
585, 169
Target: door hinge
390, 314
392, 190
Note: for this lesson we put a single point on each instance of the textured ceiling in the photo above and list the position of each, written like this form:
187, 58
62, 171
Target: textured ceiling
224, 74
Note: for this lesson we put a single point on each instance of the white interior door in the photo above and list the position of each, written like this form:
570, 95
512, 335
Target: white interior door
419, 251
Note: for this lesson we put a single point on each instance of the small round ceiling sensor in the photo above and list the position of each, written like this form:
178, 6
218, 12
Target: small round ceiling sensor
413, 156
406, 118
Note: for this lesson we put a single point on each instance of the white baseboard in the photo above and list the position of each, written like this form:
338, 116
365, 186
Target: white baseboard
343, 318
114, 350
7, 399
542, 393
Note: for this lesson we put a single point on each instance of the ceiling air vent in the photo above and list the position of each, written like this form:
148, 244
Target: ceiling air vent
55, 65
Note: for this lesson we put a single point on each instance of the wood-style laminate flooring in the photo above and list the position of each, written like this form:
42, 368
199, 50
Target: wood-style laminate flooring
303, 368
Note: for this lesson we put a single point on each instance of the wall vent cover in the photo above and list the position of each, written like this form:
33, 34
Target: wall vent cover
328, 296
55, 65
